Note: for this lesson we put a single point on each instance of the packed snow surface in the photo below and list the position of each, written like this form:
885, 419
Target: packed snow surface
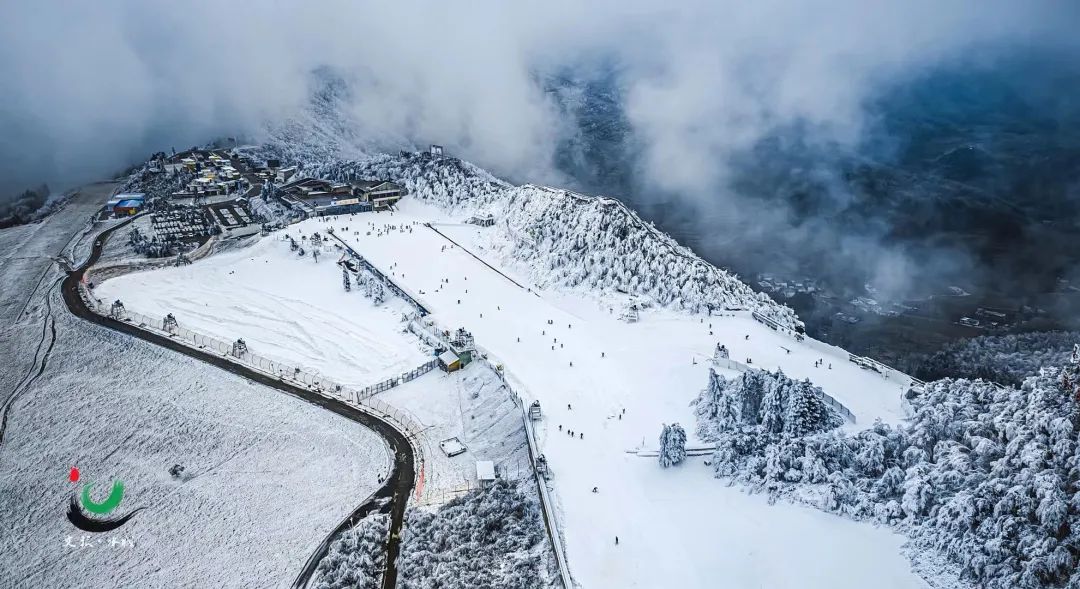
567, 348
677, 527
266, 476
285, 307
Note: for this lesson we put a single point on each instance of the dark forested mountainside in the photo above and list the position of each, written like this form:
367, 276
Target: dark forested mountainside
967, 175
25, 207
1005, 359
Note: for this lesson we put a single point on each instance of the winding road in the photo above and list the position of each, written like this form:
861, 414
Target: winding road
390, 498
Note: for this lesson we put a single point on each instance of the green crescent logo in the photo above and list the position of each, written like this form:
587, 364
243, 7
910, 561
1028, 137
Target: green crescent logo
116, 494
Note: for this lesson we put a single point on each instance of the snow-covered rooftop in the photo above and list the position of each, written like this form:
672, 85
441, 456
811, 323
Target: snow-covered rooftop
485, 470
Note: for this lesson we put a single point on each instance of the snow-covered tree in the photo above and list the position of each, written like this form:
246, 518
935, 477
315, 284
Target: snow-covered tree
767, 400
488, 538
357, 558
377, 292
672, 445
371, 286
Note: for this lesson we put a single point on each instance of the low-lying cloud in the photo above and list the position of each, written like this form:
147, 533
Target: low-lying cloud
92, 87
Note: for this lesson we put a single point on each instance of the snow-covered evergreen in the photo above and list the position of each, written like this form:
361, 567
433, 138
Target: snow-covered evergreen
157, 186
356, 559
762, 403
598, 244
983, 476
487, 538
672, 445
370, 285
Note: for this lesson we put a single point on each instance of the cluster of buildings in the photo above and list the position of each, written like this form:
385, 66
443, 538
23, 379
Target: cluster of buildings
786, 288
273, 171
316, 197
214, 188
214, 176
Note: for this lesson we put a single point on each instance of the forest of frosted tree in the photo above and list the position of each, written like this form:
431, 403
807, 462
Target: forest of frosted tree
357, 558
599, 244
490, 538
983, 476
1004, 359
759, 403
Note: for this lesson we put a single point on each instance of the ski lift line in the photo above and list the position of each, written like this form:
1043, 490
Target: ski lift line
481, 260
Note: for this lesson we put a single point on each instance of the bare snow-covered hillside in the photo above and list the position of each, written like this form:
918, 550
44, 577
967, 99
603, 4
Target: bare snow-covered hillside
265, 476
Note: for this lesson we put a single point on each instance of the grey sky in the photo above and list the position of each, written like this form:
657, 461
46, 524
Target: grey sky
89, 87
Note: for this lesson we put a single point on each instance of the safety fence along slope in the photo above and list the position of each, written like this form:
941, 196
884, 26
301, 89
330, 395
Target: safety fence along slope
546, 502
393, 286
431, 333
238, 352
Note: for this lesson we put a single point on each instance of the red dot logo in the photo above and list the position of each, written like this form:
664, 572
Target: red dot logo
73, 476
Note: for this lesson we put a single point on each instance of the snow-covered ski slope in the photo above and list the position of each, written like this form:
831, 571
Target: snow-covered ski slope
285, 307
555, 271
677, 528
